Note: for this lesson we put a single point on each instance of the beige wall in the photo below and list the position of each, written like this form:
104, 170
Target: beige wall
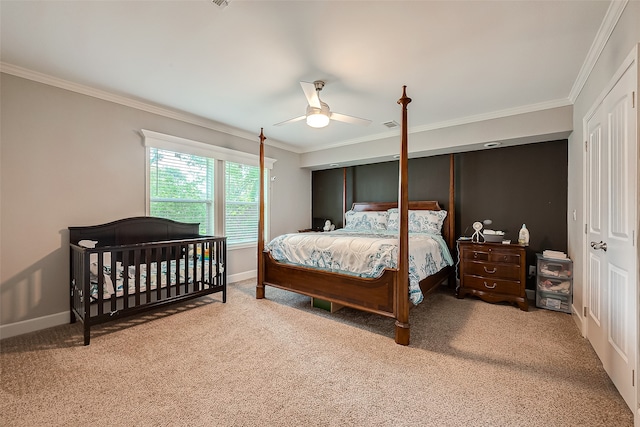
623, 39
67, 160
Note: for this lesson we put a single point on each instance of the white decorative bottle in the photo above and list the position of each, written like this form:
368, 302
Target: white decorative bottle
523, 236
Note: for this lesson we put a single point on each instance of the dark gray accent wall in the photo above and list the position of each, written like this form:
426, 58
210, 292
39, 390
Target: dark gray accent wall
510, 186
326, 196
515, 185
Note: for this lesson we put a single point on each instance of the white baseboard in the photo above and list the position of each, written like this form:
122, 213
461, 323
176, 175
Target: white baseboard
32, 325
44, 322
579, 319
238, 277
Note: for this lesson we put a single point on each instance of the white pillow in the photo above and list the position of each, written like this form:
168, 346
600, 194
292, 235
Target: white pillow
421, 221
426, 221
368, 220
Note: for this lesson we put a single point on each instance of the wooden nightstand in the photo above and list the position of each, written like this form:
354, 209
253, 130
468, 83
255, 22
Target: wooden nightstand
493, 272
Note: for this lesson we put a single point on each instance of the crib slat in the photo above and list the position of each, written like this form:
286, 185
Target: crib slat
177, 257
147, 262
114, 281
193, 266
210, 262
100, 274
136, 262
187, 268
158, 261
197, 278
125, 277
167, 256
222, 265
218, 260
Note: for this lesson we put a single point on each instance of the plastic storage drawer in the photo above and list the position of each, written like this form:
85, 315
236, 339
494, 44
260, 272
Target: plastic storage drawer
554, 283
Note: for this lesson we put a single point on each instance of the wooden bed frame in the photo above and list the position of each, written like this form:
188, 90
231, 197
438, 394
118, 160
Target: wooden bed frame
387, 295
137, 242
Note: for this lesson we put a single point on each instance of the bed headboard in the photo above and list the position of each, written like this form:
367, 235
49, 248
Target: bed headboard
130, 231
432, 205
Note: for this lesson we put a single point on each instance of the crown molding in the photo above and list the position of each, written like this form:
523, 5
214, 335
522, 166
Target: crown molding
616, 7
137, 104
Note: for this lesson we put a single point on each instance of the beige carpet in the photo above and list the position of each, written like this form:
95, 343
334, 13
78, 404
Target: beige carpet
279, 362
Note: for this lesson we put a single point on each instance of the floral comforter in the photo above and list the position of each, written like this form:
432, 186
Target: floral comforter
363, 253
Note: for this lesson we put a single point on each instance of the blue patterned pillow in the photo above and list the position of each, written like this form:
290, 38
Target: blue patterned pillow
370, 220
423, 221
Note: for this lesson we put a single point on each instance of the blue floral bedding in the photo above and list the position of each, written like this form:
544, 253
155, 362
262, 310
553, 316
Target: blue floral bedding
363, 253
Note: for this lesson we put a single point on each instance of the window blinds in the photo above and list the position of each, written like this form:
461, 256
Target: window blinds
181, 187
242, 191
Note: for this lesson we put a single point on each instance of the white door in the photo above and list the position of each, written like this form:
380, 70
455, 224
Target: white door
611, 290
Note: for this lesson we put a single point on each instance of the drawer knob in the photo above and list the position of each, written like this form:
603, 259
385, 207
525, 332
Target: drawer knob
486, 270
490, 287
475, 255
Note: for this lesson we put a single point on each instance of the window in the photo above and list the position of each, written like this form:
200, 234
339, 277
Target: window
181, 188
242, 188
189, 181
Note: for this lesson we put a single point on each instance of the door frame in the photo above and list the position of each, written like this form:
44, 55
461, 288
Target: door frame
632, 57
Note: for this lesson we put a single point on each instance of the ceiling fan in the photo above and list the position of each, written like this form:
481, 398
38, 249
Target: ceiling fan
318, 113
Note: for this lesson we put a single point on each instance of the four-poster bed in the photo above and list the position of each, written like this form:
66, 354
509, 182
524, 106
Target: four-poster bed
386, 294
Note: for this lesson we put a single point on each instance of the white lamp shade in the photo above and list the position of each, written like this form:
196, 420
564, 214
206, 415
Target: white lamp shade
317, 120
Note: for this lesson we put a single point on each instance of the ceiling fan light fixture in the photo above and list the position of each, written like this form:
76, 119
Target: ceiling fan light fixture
318, 117
317, 120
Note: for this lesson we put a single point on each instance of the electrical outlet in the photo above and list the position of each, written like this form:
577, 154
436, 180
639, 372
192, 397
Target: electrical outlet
532, 270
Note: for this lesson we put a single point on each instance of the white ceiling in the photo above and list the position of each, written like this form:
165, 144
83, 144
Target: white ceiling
241, 65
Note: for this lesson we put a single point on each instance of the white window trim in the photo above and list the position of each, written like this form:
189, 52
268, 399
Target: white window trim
188, 146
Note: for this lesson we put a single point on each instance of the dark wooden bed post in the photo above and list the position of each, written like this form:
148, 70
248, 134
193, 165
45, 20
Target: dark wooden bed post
260, 284
402, 288
344, 195
452, 202
451, 238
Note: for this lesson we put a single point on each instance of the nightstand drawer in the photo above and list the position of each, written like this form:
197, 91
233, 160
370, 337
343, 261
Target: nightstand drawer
498, 271
499, 286
492, 255
472, 255
506, 257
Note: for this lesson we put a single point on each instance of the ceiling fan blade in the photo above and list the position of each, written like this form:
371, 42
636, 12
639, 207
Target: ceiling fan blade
350, 119
297, 119
310, 92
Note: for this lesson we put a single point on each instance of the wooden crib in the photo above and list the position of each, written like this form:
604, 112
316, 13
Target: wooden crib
136, 264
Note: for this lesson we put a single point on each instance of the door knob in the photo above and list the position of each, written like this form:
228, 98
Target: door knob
600, 245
